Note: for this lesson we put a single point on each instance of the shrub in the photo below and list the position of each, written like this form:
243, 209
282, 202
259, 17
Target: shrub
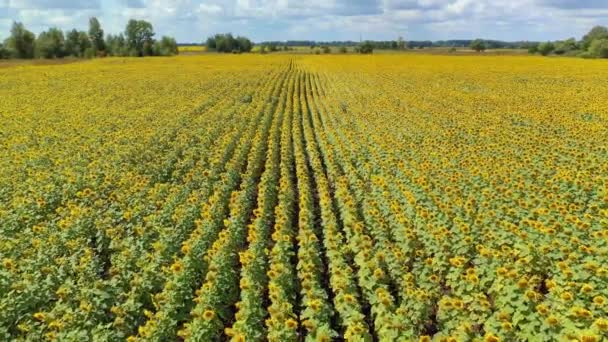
89, 53
599, 48
478, 45
546, 48
4, 53
366, 48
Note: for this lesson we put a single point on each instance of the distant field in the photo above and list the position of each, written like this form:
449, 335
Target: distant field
391, 197
427, 51
191, 49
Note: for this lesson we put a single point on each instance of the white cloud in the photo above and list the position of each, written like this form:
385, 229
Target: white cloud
210, 9
193, 20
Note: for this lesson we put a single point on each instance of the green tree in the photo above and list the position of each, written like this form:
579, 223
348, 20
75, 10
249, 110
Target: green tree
96, 36
343, 49
226, 42
167, 46
50, 44
21, 41
139, 38
566, 46
211, 43
546, 48
598, 32
599, 48
4, 53
76, 43
326, 49
117, 45
366, 47
401, 45
478, 45
244, 44
533, 48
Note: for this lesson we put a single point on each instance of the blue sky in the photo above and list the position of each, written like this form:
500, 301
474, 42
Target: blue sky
194, 20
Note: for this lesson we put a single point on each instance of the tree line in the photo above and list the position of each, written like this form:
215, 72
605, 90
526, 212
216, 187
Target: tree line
400, 43
136, 41
593, 45
229, 44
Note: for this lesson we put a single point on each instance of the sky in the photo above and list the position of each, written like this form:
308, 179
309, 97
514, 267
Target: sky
321, 20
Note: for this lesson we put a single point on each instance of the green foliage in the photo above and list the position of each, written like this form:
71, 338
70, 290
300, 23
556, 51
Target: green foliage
21, 41
401, 44
546, 48
140, 38
76, 43
96, 35
599, 48
565, 46
326, 49
139, 41
533, 49
117, 45
478, 45
228, 43
167, 46
598, 32
89, 53
50, 44
4, 53
343, 49
247, 99
366, 47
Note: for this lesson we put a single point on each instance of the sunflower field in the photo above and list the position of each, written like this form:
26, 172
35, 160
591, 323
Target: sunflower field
305, 198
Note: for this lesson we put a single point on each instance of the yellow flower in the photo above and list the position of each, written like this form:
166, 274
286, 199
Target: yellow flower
378, 274
586, 288
601, 324
552, 320
57, 325
522, 283
291, 324
315, 305
567, 296
39, 316
8, 264
491, 338
208, 315
501, 271
349, 298
599, 300
589, 338
177, 267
